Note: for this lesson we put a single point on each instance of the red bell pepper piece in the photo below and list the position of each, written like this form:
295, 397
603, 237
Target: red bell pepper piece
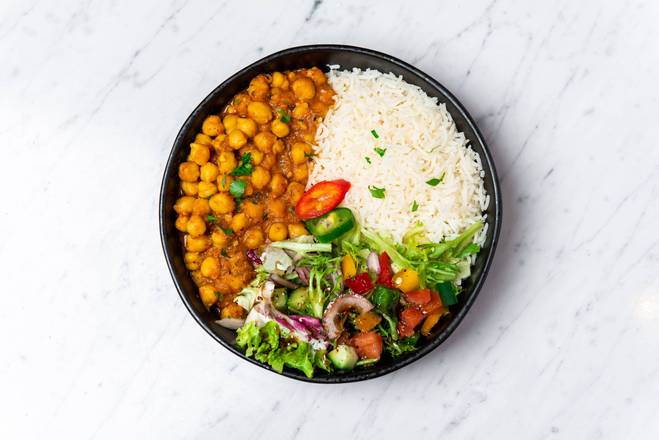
385, 278
360, 283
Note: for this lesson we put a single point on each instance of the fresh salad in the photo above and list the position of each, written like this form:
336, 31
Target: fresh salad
345, 297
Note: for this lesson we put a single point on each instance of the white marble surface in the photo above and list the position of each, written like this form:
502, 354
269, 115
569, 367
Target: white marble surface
563, 341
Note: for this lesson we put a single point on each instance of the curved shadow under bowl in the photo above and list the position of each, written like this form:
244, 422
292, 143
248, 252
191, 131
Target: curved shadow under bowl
322, 56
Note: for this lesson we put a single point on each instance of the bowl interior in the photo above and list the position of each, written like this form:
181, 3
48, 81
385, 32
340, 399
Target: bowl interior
322, 56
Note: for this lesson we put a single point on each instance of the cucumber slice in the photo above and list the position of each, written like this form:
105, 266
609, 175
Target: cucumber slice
343, 357
279, 299
297, 300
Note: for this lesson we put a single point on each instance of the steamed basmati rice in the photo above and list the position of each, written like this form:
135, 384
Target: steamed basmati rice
421, 142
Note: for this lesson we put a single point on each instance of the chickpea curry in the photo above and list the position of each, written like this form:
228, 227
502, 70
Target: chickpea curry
245, 173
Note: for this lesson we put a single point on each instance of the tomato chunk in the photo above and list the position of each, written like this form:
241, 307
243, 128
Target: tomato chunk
367, 344
321, 198
418, 296
360, 283
386, 273
410, 317
433, 305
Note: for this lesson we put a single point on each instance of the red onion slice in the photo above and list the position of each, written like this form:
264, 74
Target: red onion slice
343, 303
373, 263
253, 257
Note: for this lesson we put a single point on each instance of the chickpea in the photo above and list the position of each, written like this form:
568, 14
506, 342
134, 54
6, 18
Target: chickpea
199, 154
278, 184
182, 223
260, 112
295, 191
301, 110
264, 141
279, 128
260, 177
304, 89
232, 310
197, 244
230, 122
201, 207
277, 232
207, 189
300, 173
319, 108
317, 75
249, 189
197, 277
208, 172
196, 226
278, 79
222, 203
188, 172
296, 230
192, 260
189, 188
256, 155
269, 161
253, 237
252, 210
239, 104
299, 153
212, 126
276, 208
203, 139
237, 139
210, 267
308, 137
218, 141
258, 88
278, 147
227, 161
239, 222
184, 205
247, 126
219, 239
207, 295
224, 182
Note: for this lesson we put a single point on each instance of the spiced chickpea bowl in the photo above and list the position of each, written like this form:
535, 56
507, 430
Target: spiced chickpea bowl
245, 193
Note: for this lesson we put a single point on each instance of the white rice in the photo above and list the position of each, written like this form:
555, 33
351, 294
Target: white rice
422, 143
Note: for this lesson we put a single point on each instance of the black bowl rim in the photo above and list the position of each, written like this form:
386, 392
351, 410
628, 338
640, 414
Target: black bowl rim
495, 198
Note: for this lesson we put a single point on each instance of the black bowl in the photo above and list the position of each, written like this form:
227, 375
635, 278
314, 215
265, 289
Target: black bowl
322, 56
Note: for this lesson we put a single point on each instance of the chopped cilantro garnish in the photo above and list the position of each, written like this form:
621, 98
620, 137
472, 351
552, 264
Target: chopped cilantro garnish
375, 134
380, 151
245, 168
368, 159
211, 218
415, 206
224, 181
309, 155
237, 188
223, 252
219, 295
376, 192
435, 181
227, 231
236, 101
284, 116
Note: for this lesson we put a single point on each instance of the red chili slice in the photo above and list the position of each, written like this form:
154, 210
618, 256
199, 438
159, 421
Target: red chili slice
321, 198
360, 283
386, 273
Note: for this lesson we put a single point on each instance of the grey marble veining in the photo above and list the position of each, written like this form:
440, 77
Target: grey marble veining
563, 341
